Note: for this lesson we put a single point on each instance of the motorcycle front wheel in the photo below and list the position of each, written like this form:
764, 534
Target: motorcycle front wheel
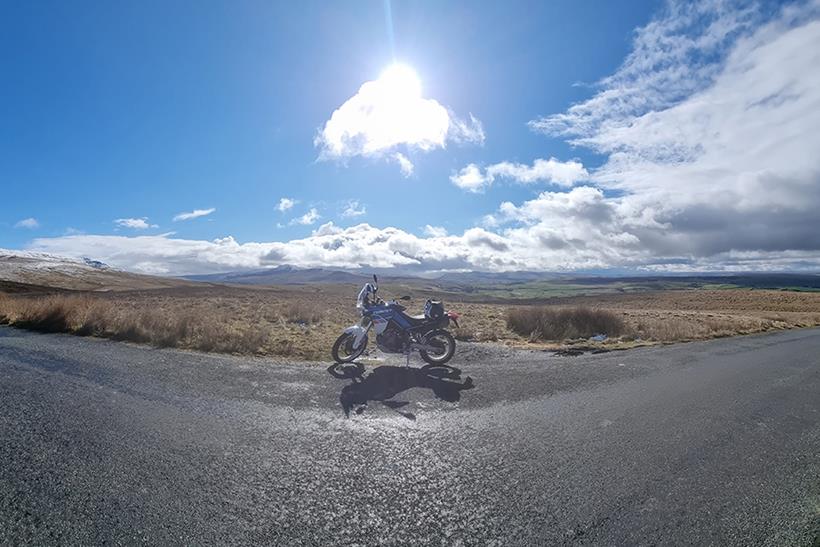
444, 347
343, 351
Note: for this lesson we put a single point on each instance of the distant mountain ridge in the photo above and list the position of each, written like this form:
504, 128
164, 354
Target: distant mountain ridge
293, 275
48, 270
281, 275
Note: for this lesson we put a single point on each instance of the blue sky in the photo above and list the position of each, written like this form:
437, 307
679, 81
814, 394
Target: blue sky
117, 117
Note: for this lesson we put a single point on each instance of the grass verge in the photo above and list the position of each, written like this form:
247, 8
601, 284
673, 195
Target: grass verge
89, 316
303, 322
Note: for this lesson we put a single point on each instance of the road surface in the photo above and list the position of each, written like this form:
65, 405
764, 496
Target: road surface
712, 443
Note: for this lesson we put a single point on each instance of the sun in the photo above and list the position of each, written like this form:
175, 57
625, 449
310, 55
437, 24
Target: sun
400, 81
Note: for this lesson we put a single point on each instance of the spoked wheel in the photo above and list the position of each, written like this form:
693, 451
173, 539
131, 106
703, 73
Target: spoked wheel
343, 351
442, 345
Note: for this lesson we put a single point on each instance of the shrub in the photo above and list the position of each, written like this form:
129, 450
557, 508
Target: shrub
95, 318
304, 313
548, 323
49, 314
214, 334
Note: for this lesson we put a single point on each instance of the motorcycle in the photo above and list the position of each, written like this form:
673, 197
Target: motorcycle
397, 331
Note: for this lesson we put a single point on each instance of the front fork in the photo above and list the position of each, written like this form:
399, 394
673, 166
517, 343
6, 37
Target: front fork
359, 331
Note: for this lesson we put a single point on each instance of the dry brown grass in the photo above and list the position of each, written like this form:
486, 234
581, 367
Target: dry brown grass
94, 316
302, 312
303, 322
556, 324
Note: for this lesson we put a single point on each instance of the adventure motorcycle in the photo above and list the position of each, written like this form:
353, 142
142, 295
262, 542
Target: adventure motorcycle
397, 331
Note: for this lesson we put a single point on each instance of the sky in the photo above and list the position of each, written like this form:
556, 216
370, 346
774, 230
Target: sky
639, 136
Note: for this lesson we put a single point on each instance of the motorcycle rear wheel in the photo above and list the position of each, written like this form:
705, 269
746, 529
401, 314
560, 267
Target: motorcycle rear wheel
343, 352
443, 340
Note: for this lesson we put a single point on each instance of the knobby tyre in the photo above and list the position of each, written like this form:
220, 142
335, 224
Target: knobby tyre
343, 352
445, 346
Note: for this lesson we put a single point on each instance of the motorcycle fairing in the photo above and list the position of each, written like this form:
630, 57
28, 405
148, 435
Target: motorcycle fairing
359, 333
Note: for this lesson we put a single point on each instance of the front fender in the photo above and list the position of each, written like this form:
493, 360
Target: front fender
359, 332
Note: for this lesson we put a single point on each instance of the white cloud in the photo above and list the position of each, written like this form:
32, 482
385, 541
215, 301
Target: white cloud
435, 231
466, 132
353, 209
286, 204
328, 228
308, 218
472, 179
551, 170
390, 112
28, 223
405, 164
135, 223
361, 245
489, 221
557, 231
196, 213
677, 54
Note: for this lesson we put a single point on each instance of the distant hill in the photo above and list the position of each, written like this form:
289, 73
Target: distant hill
745, 280
477, 278
23, 271
282, 275
24, 268
292, 275
470, 281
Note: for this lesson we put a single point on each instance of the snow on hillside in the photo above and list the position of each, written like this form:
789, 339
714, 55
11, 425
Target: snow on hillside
48, 270
37, 260
39, 268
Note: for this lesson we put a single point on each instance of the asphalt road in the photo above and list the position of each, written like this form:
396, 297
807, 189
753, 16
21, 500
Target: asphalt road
714, 443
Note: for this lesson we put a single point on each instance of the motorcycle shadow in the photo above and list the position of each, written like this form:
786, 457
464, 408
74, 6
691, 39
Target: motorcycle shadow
385, 382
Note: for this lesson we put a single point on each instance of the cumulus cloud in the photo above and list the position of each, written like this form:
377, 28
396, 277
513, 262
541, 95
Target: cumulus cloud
135, 223
353, 209
27, 223
470, 178
285, 204
196, 213
308, 218
391, 112
551, 170
556, 231
434, 231
473, 179
358, 246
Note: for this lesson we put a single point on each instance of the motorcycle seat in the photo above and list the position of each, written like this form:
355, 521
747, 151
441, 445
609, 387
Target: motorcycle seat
415, 319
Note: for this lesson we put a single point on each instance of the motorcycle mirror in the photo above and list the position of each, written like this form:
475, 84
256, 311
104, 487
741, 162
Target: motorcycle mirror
404, 298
